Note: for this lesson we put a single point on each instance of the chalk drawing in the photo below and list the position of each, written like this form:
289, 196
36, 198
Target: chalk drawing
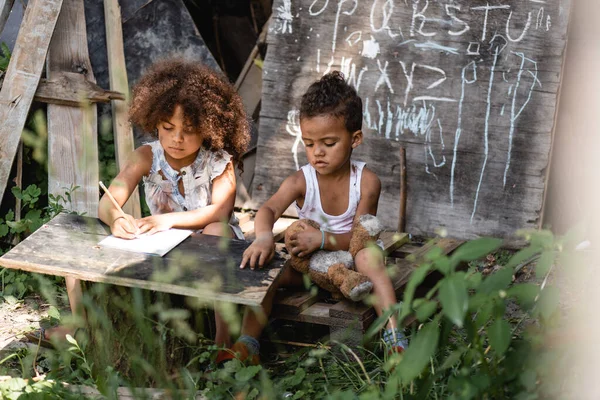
416, 119
383, 77
525, 29
453, 16
487, 8
439, 81
285, 16
430, 151
434, 46
312, 12
318, 60
337, 20
473, 49
348, 68
464, 81
540, 18
370, 48
293, 128
514, 115
548, 23
420, 14
386, 10
354, 38
497, 49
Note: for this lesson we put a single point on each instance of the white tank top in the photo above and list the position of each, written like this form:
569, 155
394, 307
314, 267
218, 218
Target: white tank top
312, 209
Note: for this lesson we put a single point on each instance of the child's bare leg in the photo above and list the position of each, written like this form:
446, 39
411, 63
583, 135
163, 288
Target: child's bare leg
370, 262
222, 336
255, 320
75, 296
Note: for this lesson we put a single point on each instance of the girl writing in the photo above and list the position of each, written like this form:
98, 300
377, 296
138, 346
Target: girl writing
200, 130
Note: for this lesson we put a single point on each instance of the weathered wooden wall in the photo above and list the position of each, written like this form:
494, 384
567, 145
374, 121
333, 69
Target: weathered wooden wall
469, 87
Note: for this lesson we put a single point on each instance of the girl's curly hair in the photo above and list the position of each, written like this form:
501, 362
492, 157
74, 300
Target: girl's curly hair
332, 95
209, 102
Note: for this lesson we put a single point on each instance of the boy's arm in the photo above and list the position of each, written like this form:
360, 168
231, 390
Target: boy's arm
138, 164
220, 209
370, 189
262, 249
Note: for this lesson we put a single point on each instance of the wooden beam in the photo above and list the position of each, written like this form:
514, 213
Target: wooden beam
117, 70
73, 89
22, 77
5, 7
72, 131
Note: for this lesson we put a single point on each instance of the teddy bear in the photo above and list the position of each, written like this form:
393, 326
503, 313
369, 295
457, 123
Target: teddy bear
334, 270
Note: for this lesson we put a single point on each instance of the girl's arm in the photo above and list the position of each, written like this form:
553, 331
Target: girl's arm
138, 164
220, 209
263, 248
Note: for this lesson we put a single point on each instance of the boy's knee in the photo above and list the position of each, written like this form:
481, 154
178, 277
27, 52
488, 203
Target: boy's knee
217, 229
369, 257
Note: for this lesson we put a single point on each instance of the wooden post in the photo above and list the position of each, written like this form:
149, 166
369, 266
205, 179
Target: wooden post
72, 131
5, 7
122, 131
22, 77
402, 219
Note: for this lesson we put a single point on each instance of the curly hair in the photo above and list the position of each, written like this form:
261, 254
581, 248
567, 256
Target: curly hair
209, 102
332, 95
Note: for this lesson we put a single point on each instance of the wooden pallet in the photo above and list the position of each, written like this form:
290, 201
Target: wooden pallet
348, 321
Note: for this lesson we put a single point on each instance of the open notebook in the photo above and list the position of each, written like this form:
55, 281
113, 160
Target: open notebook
159, 243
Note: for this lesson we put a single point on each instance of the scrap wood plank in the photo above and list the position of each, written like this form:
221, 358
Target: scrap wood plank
22, 78
393, 240
318, 313
72, 131
202, 266
404, 267
5, 7
117, 72
72, 89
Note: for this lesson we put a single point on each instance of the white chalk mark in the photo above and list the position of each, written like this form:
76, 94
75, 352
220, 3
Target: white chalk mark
452, 15
439, 81
293, 128
406, 42
420, 14
389, 120
430, 151
540, 18
348, 68
435, 46
387, 10
383, 77
514, 115
417, 121
409, 80
310, 9
352, 41
318, 60
464, 82
486, 130
548, 23
525, 29
502, 110
329, 64
433, 98
337, 20
380, 124
370, 48
487, 8
470, 51
285, 16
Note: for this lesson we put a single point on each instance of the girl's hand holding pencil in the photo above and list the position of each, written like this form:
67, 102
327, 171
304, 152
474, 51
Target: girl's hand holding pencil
124, 225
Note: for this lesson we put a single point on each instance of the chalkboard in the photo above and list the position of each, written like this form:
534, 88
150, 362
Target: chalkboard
468, 87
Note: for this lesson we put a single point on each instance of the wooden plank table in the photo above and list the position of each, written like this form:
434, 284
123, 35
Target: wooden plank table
201, 266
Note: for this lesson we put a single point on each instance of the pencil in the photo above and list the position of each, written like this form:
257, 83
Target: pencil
110, 196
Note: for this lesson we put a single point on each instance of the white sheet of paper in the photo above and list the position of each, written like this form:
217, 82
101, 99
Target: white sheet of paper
159, 243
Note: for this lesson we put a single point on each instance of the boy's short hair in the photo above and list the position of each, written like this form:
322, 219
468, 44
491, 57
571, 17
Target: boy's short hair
332, 95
